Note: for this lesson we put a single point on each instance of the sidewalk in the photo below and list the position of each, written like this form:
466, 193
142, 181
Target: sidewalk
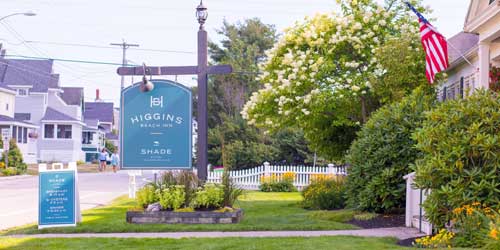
397, 232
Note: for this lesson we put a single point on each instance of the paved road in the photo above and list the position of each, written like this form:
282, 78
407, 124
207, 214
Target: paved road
19, 197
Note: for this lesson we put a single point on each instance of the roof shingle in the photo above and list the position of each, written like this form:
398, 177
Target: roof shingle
72, 95
102, 111
35, 73
54, 115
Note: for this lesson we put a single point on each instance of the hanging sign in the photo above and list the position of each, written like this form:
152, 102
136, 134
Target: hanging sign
58, 200
156, 127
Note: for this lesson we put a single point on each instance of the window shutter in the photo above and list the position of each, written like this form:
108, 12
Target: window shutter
462, 87
444, 94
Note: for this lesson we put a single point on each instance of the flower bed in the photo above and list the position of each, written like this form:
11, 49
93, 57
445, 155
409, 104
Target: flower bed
196, 217
182, 198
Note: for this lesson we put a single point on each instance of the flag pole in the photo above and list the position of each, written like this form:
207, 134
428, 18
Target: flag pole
461, 55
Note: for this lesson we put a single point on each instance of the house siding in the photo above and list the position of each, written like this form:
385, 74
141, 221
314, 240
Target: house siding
33, 104
63, 150
58, 104
7, 99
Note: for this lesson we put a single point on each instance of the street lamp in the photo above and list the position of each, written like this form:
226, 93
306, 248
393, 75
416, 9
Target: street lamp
201, 14
29, 13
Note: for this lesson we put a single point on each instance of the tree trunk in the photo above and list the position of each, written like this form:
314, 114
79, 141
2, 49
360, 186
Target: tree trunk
364, 114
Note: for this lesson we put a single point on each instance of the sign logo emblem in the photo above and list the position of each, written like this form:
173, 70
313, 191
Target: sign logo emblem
156, 102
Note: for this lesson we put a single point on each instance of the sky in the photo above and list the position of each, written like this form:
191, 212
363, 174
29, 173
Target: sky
164, 29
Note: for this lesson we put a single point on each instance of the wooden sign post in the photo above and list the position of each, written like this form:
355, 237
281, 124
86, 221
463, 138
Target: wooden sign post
202, 70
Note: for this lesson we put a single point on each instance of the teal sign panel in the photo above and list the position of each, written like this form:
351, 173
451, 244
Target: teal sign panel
56, 200
156, 127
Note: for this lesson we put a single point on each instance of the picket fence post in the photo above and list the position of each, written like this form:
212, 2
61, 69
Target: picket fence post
267, 169
330, 169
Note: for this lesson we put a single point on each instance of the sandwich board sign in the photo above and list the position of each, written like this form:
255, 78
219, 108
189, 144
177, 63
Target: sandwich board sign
58, 198
156, 127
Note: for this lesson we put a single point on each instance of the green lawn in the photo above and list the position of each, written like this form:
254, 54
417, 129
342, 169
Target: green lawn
314, 243
262, 211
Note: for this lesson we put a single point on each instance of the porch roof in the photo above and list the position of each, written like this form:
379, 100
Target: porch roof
7, 120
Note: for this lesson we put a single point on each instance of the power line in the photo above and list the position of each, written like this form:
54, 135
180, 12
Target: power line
51, 76
108, 63
18, 36
70, 60
110, 47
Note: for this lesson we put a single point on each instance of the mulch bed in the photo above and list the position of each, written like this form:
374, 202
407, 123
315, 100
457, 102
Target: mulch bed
407, 242
381, 221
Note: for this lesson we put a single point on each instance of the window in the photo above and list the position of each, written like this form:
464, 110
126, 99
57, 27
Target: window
64, 131
14, 132
25, 135
22, 92
19, 134
48, 131
87, 138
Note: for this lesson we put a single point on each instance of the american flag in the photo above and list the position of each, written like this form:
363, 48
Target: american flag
435, 47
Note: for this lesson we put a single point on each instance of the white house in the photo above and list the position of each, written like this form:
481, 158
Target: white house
39, 100
474, 51
23, 132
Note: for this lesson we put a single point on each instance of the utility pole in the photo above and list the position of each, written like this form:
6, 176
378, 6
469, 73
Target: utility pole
124, 46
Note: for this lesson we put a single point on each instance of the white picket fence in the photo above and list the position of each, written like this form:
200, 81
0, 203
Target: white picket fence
249, 179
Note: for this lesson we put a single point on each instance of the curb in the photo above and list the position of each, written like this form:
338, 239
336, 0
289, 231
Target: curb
15, 177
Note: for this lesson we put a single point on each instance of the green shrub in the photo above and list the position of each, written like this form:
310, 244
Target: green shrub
381, 154
273, 183
325, 194
172, 197
211, 196
16, 158
10, 171
230, 190
190, 182
147, 195
461, 155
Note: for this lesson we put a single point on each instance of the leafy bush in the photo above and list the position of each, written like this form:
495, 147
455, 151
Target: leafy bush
470, 223
173, 197
441, 240
273, 183
146, 195
183, 189
10, 171
16, 158
381, 154
492, 241
230, 190
109, 146
461, 154
325, 194
210, 197
185, 178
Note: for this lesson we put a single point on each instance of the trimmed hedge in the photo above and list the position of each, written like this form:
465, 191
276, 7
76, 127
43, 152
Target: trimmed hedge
460, 141
381, 154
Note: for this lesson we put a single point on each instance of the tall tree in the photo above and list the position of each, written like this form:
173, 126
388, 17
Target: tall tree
232, 142
243, 46
329, 72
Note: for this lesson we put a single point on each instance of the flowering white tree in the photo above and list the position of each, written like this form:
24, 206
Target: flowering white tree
324, 73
